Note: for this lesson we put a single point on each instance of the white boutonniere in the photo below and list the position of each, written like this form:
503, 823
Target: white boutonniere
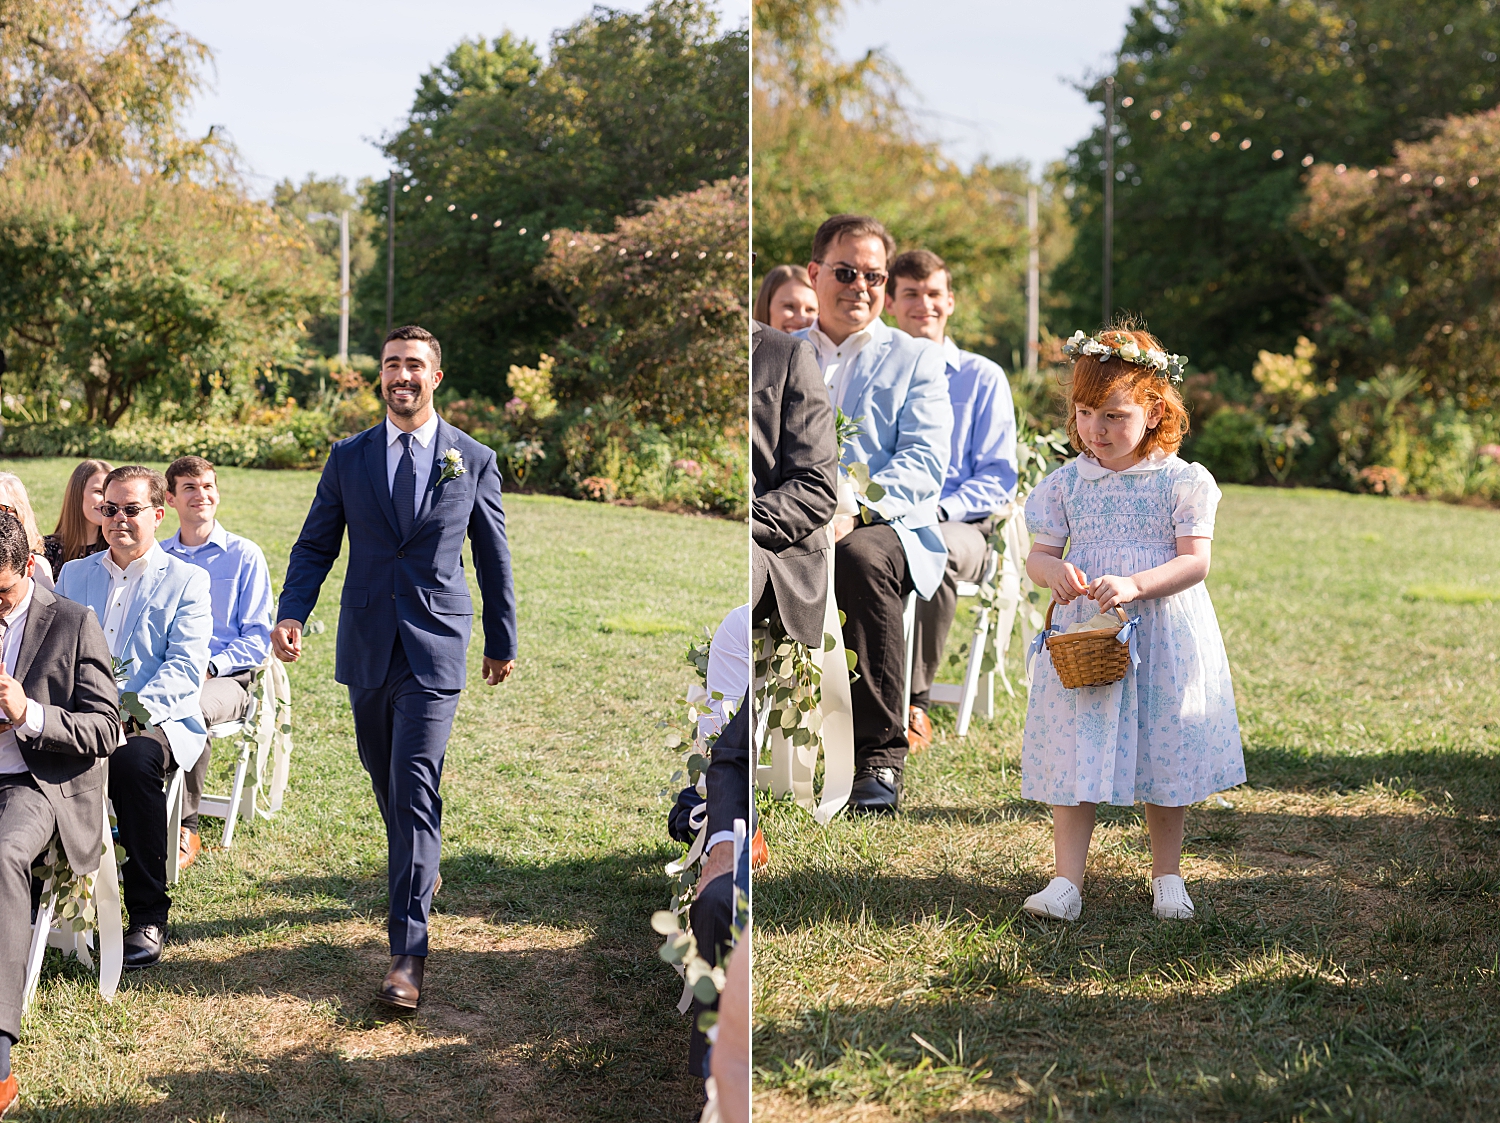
453, 466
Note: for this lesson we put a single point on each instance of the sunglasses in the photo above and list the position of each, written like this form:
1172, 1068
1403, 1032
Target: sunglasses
130, 510
847, 275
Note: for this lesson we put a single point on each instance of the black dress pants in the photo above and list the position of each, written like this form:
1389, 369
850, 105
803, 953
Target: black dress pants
137, 770
711, 918
871, 581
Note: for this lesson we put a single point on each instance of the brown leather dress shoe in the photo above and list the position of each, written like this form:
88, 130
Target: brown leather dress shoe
189, 846
403, 984
10, 1092
919, 730
760, 853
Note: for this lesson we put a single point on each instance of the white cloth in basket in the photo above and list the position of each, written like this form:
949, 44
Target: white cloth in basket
1167, 733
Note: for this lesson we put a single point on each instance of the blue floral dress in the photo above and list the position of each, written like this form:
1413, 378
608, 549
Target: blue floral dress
1167, 733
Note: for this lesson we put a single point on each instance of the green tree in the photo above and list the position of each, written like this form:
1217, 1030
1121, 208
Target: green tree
833, 136
294, 203
1225, 106
661, 309
627, 108
124, 291
84, 80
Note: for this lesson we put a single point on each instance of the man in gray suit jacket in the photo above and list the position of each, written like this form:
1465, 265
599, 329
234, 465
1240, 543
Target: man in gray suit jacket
794, 459
60, 721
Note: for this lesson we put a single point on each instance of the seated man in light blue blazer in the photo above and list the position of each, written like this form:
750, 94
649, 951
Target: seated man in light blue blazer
157, 615
896, 388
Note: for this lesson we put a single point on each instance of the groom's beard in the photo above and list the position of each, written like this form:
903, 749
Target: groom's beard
412, 406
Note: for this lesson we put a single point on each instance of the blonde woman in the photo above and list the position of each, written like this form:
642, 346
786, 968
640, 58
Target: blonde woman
15, 501
786, 300
78, 532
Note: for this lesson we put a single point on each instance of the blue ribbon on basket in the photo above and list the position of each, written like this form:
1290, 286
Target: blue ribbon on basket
1038, 643
1126, 635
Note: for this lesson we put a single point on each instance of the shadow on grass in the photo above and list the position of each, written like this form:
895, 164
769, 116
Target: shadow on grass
581, 1030
608, 890
1471, 779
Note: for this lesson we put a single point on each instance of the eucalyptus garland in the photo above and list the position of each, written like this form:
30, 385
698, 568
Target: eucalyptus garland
701, 979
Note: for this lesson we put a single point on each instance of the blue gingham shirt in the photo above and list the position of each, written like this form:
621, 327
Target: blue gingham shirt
241, 588
982, 469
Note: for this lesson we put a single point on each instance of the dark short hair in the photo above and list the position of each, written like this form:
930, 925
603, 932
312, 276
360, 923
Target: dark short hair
188, 467
14, 546
156, 483
917, 265
422, 335
850, 226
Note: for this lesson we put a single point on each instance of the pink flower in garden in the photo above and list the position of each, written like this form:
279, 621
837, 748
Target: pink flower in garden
515, 407
690, 467
1490, 451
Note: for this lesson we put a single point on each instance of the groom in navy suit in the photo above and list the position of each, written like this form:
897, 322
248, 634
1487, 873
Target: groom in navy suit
408, 491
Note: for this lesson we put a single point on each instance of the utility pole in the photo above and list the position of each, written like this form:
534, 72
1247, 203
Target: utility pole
1109, 195
344, 289
390, 253
1033, 283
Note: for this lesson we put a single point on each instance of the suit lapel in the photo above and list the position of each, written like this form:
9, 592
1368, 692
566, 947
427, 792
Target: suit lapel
375, 447
149, 581
866, 363
38, 621
441, 439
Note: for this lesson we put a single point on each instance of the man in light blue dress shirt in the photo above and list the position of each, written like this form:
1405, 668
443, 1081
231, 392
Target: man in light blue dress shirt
241, 588
981, 479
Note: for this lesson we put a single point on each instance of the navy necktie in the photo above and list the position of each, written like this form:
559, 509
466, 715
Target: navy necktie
404, 490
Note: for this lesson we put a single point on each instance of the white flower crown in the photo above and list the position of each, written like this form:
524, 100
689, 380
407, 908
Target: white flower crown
1167, 367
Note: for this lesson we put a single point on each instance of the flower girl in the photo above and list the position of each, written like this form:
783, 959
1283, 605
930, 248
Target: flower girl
1136, 522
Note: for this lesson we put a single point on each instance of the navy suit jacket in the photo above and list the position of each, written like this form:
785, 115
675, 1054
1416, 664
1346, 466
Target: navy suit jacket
413, 585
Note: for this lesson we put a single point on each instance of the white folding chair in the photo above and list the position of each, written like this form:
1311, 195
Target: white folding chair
48, 931
909, 634
240, 803
176, 791
978, 685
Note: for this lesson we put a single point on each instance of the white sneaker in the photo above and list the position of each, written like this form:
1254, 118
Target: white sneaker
1169, 898
1061, 900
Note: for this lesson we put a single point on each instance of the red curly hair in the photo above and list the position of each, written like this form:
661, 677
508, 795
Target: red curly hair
1093, 381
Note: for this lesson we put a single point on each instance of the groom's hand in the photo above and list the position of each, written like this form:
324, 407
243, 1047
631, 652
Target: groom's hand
286, 640
497, 671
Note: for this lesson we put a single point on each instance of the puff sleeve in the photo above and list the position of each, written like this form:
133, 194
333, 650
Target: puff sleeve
1046, 513
1195, 499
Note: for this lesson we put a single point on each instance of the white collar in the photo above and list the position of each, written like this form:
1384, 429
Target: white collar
1091, 469
423, 433
951, 354
135, 568
877, 331
218, 536
19, 612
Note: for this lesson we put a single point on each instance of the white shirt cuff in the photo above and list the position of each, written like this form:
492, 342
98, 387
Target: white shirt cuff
716, 838
32, 726
217, 663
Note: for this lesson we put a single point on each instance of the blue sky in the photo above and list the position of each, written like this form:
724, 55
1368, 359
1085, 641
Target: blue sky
309, 86
993, 75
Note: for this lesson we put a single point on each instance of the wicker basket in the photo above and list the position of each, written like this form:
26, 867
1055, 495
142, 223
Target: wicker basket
1089, 658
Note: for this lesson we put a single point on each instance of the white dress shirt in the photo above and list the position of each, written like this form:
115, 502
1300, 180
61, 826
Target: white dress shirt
124, 587
836, 360
11, 760
422, 453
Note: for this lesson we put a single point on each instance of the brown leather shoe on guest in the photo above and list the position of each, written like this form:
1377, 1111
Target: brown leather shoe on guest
189, 846
403, 984
919, 730
10, 1092
760, 853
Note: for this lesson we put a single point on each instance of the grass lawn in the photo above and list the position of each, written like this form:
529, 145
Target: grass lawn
1344, 961
544, 997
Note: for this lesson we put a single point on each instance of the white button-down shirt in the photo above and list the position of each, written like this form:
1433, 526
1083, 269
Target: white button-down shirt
124, 587
836, 360
422, 453
11, 760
